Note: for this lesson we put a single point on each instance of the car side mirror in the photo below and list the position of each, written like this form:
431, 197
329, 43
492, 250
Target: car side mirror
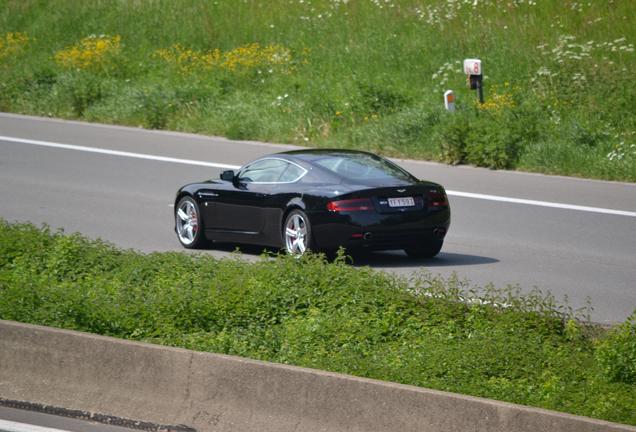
227, 175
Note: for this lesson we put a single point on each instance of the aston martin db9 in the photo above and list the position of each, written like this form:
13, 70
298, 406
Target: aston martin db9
316, 200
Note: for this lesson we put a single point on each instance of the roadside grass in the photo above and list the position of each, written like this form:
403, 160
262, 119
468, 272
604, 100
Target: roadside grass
325, 315
369, 74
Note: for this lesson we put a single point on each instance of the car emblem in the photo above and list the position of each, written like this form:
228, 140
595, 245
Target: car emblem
401, 190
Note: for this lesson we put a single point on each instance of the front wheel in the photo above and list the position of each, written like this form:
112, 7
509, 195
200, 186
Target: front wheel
188, 223
428, 250
297, 233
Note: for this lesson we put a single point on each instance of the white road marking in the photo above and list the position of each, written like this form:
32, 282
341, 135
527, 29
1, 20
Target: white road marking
117, 153
9, 426
227, 166
541, 203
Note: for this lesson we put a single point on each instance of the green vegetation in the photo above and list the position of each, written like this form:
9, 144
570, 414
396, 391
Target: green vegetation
331, 316
560, 93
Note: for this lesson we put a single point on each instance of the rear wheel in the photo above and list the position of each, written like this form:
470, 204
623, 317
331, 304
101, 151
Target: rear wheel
297, 233
188, 223
428, 250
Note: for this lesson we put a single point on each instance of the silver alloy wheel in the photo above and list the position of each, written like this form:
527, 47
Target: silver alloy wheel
187, 222
296, 234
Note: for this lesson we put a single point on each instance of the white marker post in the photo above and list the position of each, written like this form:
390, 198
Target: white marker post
472, 68
449, 100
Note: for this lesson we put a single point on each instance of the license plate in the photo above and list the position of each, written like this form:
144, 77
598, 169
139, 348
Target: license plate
401, 202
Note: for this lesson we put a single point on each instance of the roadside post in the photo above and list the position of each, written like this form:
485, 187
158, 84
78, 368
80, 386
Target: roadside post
449, 100
472, 68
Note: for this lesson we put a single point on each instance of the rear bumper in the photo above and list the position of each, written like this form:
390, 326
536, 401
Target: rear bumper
375, 231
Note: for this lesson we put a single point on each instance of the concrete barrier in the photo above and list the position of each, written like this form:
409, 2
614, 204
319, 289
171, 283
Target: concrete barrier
210, 392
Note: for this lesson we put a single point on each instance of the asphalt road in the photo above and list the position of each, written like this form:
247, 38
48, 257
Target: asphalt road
20, 420
572, 237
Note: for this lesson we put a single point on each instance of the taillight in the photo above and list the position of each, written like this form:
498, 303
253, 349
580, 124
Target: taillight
350, 205
437, 199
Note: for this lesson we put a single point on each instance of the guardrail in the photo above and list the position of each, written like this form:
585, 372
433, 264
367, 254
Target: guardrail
211, 392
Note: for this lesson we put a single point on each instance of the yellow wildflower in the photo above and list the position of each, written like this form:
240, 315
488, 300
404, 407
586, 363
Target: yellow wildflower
92, 52
246, 57
497, 102
12, 43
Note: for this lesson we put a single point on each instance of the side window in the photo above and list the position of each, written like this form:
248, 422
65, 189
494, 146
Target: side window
291, 174
264, 171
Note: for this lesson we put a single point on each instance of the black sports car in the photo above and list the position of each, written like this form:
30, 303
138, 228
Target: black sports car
318, 200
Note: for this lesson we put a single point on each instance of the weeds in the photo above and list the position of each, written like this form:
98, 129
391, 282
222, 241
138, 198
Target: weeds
430, 331
559, 94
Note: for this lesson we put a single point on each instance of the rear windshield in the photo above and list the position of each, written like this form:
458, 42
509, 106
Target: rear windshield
361, 167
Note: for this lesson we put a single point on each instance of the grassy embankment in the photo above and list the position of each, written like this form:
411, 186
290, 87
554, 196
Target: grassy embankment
324, 315
560, 88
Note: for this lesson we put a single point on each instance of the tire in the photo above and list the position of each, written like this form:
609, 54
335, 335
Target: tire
188, 223
428, 250
296, 233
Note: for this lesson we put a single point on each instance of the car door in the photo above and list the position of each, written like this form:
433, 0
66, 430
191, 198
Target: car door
244, 206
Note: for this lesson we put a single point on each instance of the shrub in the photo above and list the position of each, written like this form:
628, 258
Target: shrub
452, 138
493, 136
80, 90
327, 315
156, 105
616, 353
492, 144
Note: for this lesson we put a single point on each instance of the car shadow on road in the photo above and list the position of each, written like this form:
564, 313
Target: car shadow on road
244, 249
384, 259
400, 259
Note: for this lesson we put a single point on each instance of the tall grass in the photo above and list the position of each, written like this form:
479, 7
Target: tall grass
362, 73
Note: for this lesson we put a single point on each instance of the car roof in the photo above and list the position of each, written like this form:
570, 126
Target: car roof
309, 155
309, 152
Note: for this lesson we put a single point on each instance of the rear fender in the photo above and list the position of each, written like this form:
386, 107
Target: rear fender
295, 202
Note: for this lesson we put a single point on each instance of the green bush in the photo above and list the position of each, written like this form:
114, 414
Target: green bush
156, 106
453, 139
82, 89
327, 315
616, 354
492, 144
